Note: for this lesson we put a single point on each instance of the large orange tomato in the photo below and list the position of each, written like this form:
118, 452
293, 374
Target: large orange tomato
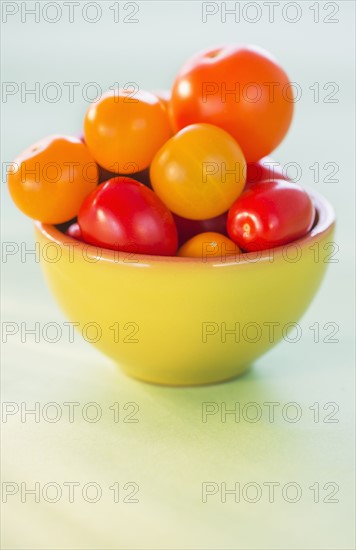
50, 180
241, 89
124, 131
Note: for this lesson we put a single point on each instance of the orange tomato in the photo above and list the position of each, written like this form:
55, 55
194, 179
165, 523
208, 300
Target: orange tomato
124, 131
241, 89
199, 172
209, 245
50, 180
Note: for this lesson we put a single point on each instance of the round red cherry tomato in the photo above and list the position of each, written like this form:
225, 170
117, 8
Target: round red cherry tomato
74, 231
269, 214
123, 214
265, 169
189, 228
241, 89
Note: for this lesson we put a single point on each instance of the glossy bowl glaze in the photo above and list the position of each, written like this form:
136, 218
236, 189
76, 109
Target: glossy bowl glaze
185, 321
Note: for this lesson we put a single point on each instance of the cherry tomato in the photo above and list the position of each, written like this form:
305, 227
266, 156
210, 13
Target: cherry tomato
269, 214
189, 228
74, 232
124, 131
123, 214
264, 169
50, 180
243, 90
199, 172
209, 245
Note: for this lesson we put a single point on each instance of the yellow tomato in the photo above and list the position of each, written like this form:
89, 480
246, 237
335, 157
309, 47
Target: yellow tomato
199, 172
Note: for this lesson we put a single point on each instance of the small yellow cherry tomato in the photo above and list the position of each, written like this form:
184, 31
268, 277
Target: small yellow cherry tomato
199, 172
209, 245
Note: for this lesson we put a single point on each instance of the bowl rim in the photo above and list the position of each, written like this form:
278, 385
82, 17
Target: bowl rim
324, 223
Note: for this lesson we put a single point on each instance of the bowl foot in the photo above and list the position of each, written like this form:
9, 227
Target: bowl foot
185, 380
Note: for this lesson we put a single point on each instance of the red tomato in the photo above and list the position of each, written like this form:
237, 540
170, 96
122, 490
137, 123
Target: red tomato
189, 228
123, 214
269, 214
241, 89
74, 232
264, 169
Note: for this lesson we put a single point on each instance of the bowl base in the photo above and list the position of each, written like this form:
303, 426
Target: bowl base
201, 380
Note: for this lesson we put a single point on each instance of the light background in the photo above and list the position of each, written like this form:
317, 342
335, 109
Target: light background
170, 452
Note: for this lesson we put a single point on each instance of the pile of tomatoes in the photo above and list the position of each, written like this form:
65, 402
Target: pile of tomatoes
170, 173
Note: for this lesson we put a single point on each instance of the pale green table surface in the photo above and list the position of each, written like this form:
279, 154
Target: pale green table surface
170, 452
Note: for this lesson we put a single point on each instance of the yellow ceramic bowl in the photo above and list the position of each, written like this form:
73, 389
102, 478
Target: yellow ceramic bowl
186, 321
